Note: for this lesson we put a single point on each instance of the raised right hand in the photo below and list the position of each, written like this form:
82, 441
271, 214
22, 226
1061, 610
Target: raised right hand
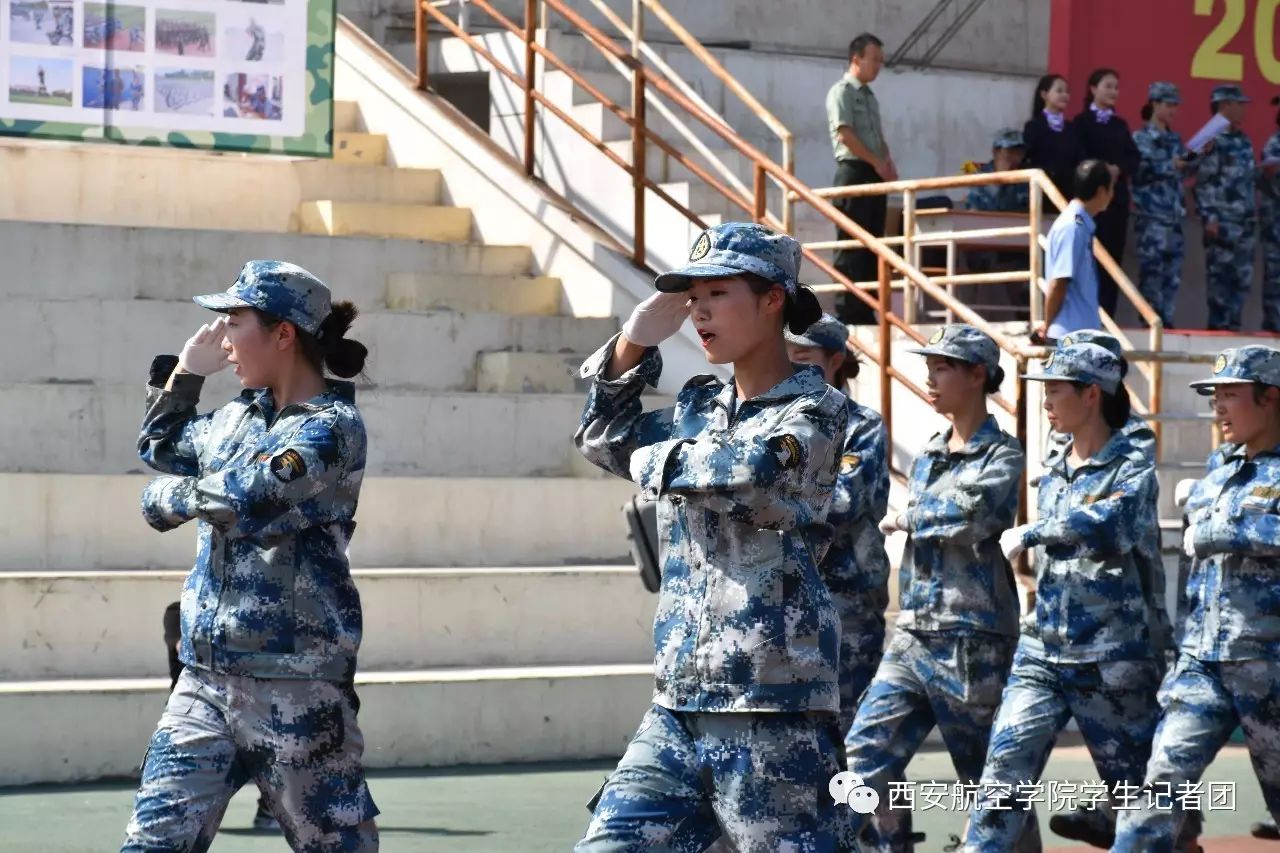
203, 354
656, 319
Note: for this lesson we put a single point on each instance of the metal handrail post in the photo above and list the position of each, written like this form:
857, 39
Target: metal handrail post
420, 37
530, 68
639, 168
886, 356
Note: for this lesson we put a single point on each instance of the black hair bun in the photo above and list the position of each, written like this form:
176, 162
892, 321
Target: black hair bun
803, 310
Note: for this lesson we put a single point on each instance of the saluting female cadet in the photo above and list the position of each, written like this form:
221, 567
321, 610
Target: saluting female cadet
271, 619
1087, 653
1159, 202
742, 735
1228, 669
856, 567
958, 619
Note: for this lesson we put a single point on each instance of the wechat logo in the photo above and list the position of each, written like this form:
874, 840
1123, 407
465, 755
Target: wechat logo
847, 790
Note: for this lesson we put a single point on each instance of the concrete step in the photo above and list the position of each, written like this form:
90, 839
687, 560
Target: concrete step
107, 262
92, 429
704, 199
59, 625
499, 294
564, 93
358, 147
67, 341
529, 373
375, 219
80, 730
326, 179
70, 522
664, 168
346, 117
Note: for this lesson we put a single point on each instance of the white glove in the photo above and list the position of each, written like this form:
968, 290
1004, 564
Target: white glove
656, 319
1182, 491
1189, 539
1011, 542
891, 524
203, 354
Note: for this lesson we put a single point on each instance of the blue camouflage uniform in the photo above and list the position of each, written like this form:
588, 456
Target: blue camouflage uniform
1270, 209
1087, 650
958, 611
271, 618
1006, 197
1159, 209
1228, 671
742, 736
1225, 190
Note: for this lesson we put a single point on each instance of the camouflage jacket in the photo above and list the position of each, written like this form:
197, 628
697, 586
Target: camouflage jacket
856, 565
1226, 180
274, 493
1012, 198
1233, 588
953, 575
1270, 187
744, 619
1157, 185
1094, 556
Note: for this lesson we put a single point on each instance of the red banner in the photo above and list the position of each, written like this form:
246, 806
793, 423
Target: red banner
1195, 44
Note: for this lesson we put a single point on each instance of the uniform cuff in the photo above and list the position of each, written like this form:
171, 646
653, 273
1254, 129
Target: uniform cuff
164, 502
649, 368
649, 466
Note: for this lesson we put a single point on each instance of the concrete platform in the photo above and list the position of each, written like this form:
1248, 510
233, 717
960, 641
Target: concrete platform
378, 219
529, 373
369, 149
432, 291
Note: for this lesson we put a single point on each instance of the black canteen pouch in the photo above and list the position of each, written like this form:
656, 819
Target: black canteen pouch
642, 540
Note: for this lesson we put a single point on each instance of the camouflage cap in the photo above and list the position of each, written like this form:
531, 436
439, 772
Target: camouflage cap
1163, 92
829, 333
279, 288
965, 343
1243, 365
1228, 92
734, 248
1092, 336
1009, 137
1087, 363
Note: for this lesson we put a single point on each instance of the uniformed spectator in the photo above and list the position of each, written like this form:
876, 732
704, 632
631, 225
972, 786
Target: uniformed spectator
1053, 142
742, 738
1159, 203
1072, 301
1226, 183
1228, 669
1008, 152
1086, 650
271, 618
1270, 209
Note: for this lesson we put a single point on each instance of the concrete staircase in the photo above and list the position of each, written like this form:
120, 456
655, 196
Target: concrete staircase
501, 620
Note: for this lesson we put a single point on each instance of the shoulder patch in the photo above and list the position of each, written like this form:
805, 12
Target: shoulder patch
849, 462
288, 466
788, 450
1079, 219
1266, 492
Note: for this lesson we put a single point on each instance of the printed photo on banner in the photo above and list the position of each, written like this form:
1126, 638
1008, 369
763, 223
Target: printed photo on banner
114, 88
185, 33
42, 22
185, 91
252, 39
253, 96
115, 27
41, 81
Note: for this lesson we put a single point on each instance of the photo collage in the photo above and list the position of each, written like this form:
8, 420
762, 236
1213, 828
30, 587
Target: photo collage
219, 65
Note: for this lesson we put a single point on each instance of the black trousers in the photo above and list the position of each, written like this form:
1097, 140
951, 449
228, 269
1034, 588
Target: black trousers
858, 264
1112, 233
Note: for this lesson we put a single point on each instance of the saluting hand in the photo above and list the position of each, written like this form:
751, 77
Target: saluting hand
656, 319
203, 354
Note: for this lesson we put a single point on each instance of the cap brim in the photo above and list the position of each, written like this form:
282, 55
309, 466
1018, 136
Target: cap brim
942, 353
222, 302
1204, 387
1045, 377
682, 279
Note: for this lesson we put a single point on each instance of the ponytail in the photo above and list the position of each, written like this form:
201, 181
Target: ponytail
995, 378
1148, 110
1116, 408
328, 348
848, 371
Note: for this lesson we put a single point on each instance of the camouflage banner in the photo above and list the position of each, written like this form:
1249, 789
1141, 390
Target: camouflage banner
226, 75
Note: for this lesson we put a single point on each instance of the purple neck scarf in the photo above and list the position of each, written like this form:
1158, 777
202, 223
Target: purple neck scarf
1104, 116
1057, 121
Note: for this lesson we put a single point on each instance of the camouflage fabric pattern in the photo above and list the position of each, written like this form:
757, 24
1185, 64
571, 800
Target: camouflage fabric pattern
1113, 703
829, 333
1226, 180
298, 740
1094, 553
963, 342
734, 248
762, 778
744, 621
1164, 91
1229, 267
1242, 365
315, 141
281, 289
1010, 198
949, 679
1233, 597
856, 567
1157, 185
1270, 227
271, 593
1161, 250
1201, 704
1083, 362
953, 574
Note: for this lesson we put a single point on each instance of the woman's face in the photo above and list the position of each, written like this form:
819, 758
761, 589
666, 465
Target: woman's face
1069, 407
253, 349
1242, 418
1058, 96
830, 362
1107, 92
952, 385
1165, 111
731, 320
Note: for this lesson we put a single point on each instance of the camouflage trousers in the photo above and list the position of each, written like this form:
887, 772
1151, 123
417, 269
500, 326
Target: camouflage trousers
1114, 704
861, 648
1201, 703
1271, 267
1161, 247
298, 740
949, 680
760, 779
1229, 272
